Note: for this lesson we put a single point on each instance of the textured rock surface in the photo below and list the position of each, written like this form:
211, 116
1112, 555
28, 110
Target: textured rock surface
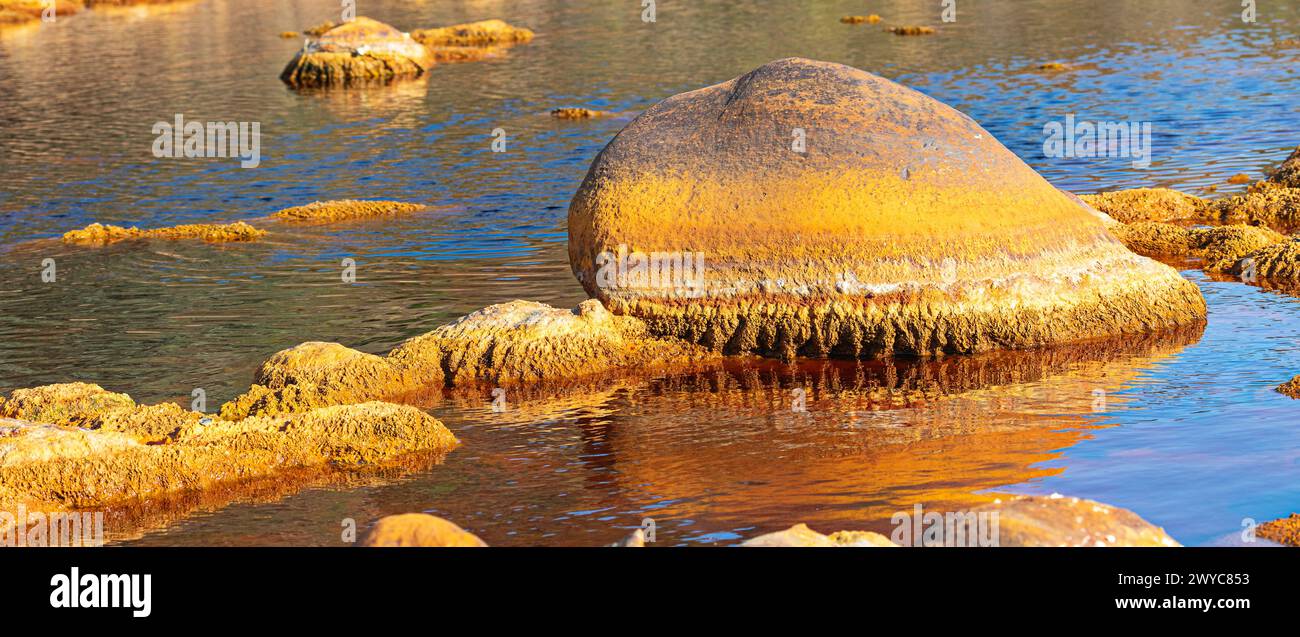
1147, 204
1222, 248
1060, 521
217, 233
800, 536
344, 209
904, 227
501, 345
1288, 174
1291, 387
482, 33
357, 51
125, 458
1283, 531
419, 529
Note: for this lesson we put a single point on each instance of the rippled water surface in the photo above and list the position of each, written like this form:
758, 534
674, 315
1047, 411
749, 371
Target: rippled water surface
1190, 434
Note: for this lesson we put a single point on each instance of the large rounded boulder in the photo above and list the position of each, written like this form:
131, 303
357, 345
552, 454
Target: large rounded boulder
810, 208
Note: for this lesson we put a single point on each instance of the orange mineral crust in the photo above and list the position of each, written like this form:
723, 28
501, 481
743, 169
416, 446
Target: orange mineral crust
828, 211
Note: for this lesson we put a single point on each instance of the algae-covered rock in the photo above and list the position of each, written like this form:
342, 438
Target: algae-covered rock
1288, 174
420, 529
357, 51
800, 536
1147, 204
70, 404
1283, 531
500, 345
473, 34
1061, 521
59, 467
99, 234
1291, 387
827, 211
346, 209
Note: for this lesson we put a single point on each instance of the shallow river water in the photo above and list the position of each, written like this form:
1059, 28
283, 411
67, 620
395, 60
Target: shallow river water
1182, 428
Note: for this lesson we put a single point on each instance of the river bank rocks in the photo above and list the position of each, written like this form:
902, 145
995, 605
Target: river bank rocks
100, 234
361, 50
419, 529
1057, 520
79, 446
499, 346
827, 211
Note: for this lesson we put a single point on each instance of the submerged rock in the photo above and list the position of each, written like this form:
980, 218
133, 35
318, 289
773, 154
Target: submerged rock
1060, 521
473, 34
1291, 387
1147, 204
119, 451
344, 209
800, 536
898, 226
357, 51
419, 529
500, 345
911, 30
576, 113
1283, 531
98, 234
860, 19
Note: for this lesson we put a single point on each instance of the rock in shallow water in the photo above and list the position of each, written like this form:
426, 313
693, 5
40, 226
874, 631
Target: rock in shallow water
357, 51
420, 529
836, 212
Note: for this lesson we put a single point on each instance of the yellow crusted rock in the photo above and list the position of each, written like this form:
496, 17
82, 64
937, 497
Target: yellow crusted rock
344, 209
420, 529
1147, 204
800, 536
1061, 521
357, 51
216, 233
474, 34
902, 228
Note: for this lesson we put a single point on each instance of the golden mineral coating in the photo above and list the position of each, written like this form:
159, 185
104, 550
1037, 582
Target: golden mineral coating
1283, 531
800, 536
576, 113
1221, 247
77, 445
911, 30
1291, 387
99, 234
15, 12
345, 209
480, 34
1288, 174
1147, 204
419, 529
1057, 520
860, 19
826, 211
500, 345
357, 51
1276, 262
